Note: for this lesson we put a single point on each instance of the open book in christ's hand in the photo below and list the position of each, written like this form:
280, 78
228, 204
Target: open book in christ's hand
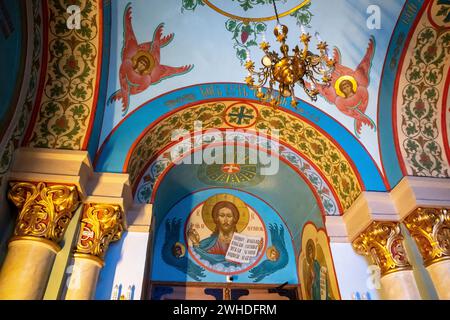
243, 248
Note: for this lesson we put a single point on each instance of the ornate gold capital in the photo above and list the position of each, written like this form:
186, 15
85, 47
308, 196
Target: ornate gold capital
430, 228
45, 209
383, 242
101, 224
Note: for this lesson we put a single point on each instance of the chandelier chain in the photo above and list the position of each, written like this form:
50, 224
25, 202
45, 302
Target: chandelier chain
276, 10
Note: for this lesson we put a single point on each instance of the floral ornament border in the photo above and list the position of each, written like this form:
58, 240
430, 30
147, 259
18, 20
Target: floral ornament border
26, 109
316, 147
419, 102
245, 34
157, 168
69, 94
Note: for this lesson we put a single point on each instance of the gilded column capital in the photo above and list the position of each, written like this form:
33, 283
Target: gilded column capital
383, 243
45, 209
430, 228
101, 224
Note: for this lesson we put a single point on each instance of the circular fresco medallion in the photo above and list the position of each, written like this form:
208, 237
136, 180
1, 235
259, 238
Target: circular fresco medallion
241, 115
225, 236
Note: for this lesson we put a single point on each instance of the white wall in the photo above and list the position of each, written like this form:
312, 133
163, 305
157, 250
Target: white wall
124, 264
353, 273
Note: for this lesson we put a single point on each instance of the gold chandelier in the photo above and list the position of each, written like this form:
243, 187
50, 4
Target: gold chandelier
289, 70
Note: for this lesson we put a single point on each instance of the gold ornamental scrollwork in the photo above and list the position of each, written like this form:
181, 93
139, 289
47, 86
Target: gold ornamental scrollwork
383, 243
45, 209
101, 224
430, 228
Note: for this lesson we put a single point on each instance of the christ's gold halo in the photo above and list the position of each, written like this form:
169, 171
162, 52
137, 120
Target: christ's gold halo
240, 205
148, 56
337, 85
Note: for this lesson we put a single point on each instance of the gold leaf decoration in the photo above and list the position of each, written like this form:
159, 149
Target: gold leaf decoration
101, 224
45, 209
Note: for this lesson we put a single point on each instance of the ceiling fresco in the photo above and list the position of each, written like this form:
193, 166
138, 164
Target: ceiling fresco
212, 44
241, 175
297, 202
153, 90
183, 238
14, 38
12, 57
414, 93
68, 96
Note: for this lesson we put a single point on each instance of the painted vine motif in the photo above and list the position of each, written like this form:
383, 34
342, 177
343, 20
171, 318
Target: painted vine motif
247, 35
190, 5
300, 135
69, 92
250, 4
421, 95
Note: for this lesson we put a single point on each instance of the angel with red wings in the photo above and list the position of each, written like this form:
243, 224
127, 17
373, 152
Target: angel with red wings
348, 88
141, 64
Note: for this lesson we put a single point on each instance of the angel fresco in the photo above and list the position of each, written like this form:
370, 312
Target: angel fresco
174, 251
141, 63
277, 255
348, 89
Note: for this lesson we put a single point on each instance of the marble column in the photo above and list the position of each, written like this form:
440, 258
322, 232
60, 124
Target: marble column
383, 243
101, 224
45, 211
430, 228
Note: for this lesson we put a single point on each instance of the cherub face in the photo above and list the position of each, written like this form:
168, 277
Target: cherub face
142, 65
347, 88
273, 254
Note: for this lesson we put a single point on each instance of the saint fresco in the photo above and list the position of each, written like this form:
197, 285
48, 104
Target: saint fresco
317, 275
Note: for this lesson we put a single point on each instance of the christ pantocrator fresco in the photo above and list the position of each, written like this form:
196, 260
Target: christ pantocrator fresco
211, 230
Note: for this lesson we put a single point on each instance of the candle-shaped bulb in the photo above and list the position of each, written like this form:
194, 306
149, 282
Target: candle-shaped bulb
302, 27
280, 28
248, 55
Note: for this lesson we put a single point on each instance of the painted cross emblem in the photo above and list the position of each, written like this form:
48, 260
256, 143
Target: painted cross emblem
231, 168
241, 115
